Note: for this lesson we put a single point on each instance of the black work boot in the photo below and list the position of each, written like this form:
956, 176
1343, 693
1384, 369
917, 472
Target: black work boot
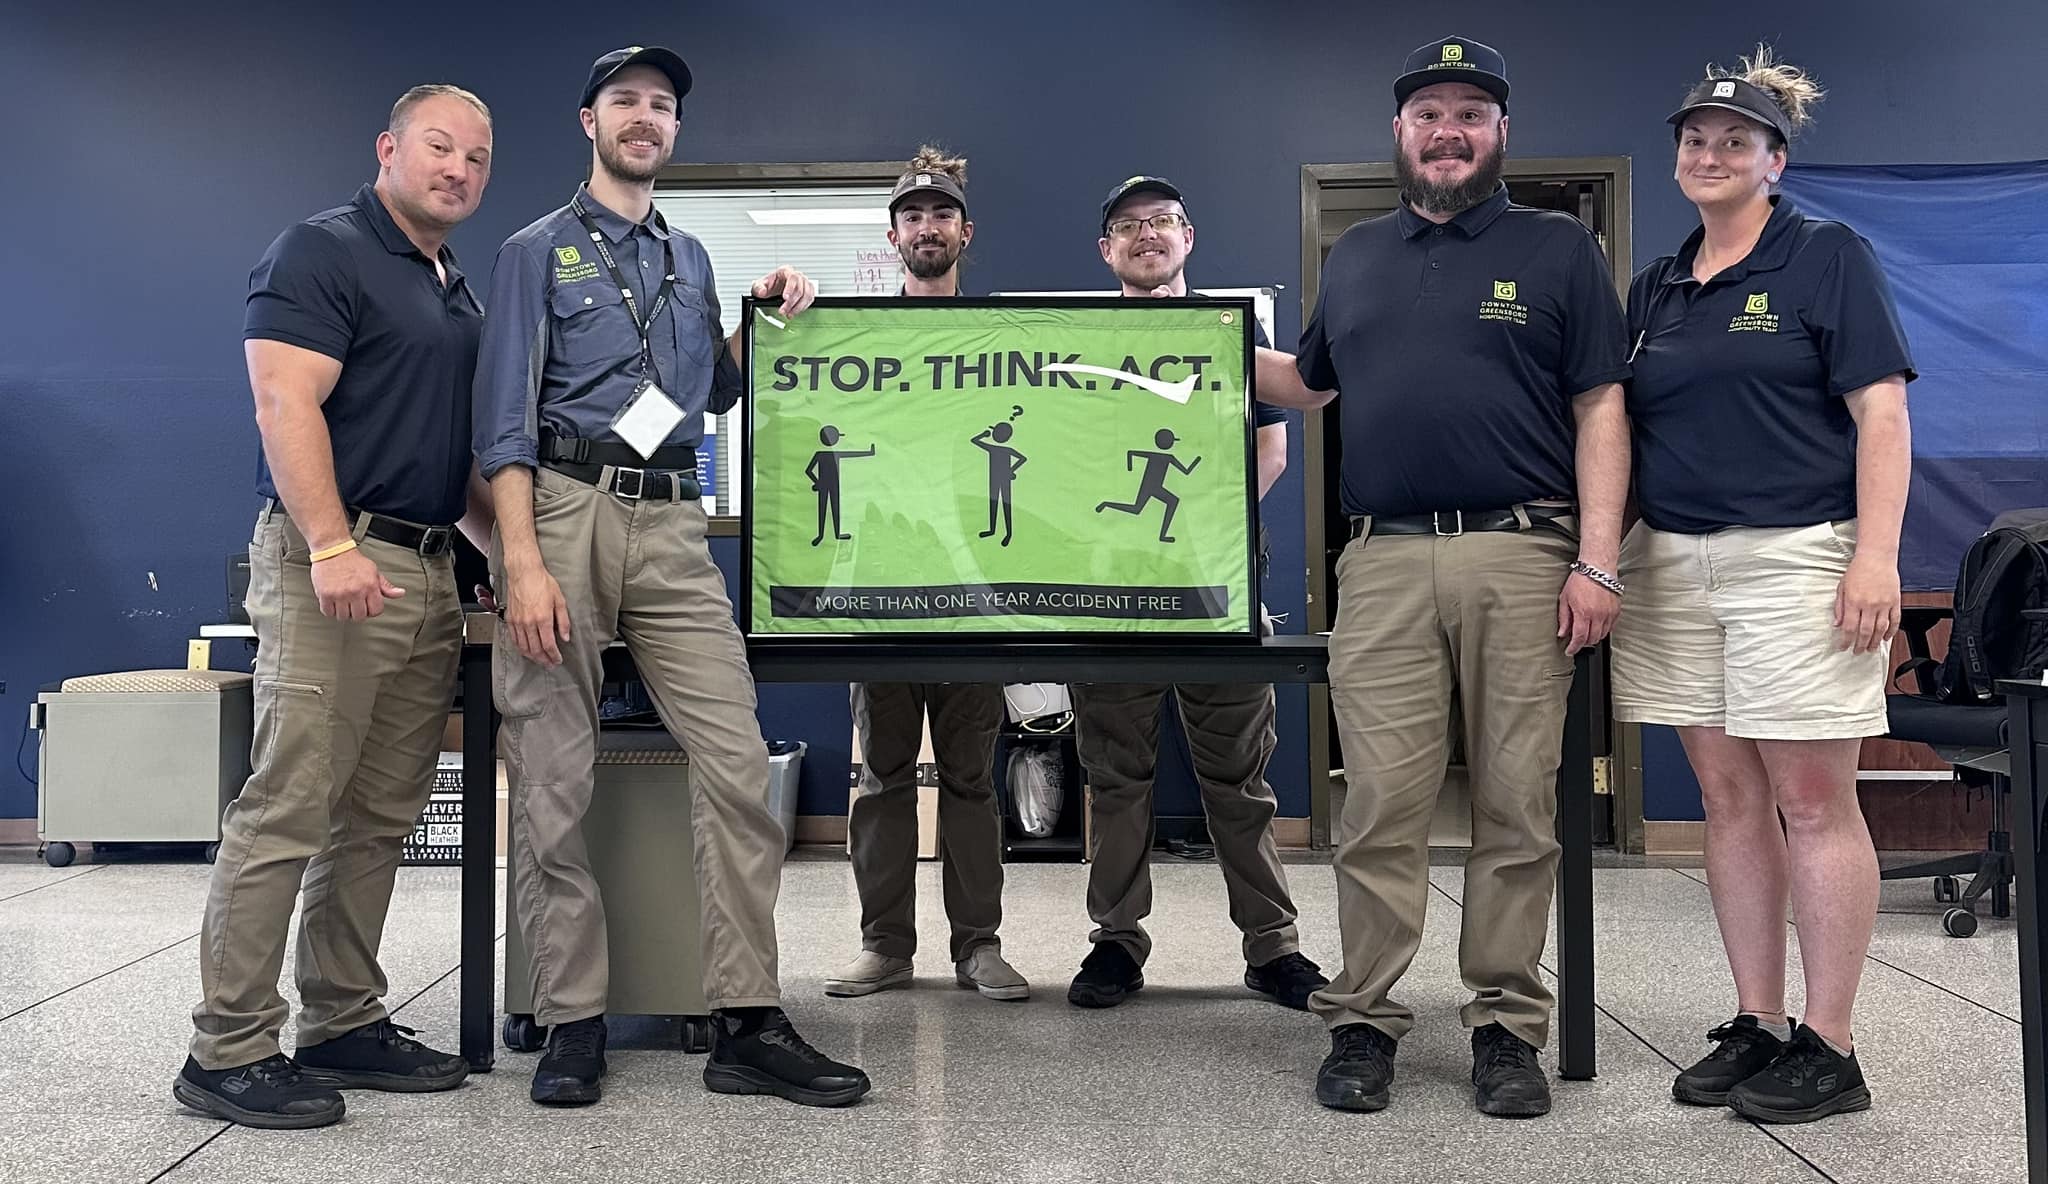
1808, 1081
1742, 1049
573, 1066
1360, 1067
757, 1051
1290, 979
1108, 974
1506, 1080
381, 1055
270, 1093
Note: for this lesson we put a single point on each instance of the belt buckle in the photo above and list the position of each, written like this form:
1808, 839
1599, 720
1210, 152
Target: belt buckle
639, 483
436, 540
1436, 522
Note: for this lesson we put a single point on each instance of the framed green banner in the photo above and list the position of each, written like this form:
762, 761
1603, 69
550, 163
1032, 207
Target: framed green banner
1000, 466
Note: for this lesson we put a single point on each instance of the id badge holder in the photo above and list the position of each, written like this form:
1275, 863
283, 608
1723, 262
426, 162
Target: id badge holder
646, 420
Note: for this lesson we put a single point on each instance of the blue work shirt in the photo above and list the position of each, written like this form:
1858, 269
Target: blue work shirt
560, 350
348, 283
1738, 395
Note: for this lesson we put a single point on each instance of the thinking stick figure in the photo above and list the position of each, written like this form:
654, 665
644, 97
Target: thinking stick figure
1003, 463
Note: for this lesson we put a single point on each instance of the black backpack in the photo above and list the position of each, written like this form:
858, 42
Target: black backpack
2003, 572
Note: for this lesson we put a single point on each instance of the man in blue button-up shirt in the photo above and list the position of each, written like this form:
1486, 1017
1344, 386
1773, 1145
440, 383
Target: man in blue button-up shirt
600, 356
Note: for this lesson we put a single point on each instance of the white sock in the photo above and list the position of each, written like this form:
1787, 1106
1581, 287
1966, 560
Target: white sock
1838, 1049
1782, 1029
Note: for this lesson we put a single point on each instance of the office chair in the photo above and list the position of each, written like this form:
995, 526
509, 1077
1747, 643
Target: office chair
1972, 738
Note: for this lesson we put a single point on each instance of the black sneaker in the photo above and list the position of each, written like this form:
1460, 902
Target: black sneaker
1290, 979
382, 1055
1360, 1067
1809, 1080
1108, 974
271, 1094
772, 1059
1506, 1080
1741, 1050
572, 1067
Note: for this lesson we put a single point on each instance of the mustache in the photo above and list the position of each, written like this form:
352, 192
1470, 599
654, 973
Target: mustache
1448, 152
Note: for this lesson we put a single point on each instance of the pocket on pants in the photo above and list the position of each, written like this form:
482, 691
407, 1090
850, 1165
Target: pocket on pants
294, 735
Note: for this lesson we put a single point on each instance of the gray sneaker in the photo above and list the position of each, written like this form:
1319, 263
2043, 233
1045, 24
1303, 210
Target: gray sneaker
868, 973
985, 971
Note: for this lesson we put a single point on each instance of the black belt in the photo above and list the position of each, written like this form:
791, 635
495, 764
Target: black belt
634, 484
592, 453
1450, 523
427, 540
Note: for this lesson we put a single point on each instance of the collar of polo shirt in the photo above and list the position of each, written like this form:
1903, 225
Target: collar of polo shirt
1772, 251
615, 227
1470, 222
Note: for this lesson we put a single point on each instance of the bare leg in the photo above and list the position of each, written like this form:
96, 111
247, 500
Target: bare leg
1833, 872
1745, 865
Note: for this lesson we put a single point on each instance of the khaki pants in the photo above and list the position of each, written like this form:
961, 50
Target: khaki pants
1230, 736
881, 821
349, 716
1420, 618
641, 571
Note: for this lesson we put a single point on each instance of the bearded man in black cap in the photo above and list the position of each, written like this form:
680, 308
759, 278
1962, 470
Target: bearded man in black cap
1481, 349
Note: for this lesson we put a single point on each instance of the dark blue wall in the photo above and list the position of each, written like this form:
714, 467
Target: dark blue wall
155, 149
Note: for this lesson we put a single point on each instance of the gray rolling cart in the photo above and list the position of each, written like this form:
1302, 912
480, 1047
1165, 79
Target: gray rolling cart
638, 835
145, 756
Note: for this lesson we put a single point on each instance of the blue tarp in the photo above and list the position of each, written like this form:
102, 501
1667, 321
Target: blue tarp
1966, 249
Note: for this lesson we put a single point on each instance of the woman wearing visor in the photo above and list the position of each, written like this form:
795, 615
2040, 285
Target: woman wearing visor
1771, 463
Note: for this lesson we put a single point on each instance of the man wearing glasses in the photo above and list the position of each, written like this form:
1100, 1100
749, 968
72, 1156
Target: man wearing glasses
1146, 239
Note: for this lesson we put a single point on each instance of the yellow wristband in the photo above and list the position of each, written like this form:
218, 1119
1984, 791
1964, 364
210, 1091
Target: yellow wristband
341, 548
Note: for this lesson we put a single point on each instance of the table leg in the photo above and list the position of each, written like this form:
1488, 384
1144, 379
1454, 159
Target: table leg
479, 858
1575, 1056
2028, 738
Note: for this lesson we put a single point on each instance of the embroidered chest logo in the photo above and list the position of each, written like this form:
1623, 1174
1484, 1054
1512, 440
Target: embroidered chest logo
1503, 306
571, 267
1756, 316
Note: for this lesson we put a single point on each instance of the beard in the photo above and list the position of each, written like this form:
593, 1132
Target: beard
1454, 198
610, 155
929, 267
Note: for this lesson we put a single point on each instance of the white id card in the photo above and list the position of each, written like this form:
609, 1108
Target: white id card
647, 420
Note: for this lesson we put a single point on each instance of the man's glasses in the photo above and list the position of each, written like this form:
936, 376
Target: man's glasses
1163, 223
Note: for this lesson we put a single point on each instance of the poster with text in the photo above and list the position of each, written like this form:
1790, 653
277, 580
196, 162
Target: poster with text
1000, 466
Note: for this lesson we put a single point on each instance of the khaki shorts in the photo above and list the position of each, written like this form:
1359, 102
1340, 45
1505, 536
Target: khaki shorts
1736, 630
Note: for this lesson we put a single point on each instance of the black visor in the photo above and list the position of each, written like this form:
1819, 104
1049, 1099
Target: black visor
1733, 94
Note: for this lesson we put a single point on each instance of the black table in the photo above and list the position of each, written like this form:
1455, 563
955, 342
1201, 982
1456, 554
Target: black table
2027, 737
1286, 659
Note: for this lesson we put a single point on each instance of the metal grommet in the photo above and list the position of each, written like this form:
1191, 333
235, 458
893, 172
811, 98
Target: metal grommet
1229, 318
586, 300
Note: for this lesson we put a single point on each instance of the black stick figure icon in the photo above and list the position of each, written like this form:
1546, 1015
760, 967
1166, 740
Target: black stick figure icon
1003, 463
824, 474
1152, 486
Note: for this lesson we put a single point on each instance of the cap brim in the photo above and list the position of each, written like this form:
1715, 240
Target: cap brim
665, 60
1493, 84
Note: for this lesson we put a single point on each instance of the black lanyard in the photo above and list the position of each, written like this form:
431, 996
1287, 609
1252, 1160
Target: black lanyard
643, 327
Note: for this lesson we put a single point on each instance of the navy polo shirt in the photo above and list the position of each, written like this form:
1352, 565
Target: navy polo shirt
1737, 396
1457, 350
347, 283
561, 350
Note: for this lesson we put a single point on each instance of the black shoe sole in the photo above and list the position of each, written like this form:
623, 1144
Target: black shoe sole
740, 1079
1110, 995
1693, 1095
213, 1104
390, 1083
1355, 1100
568, 1093
1497, 1109
1847, 1102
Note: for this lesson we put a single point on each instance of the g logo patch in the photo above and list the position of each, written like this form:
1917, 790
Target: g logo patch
1724, 90
1454, 53
1503, 289
569, 256
1759, 304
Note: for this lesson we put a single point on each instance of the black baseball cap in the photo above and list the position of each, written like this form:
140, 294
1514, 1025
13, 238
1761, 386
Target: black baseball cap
927, 181
1454, 59
665, 60
1139, 184
1734, 94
